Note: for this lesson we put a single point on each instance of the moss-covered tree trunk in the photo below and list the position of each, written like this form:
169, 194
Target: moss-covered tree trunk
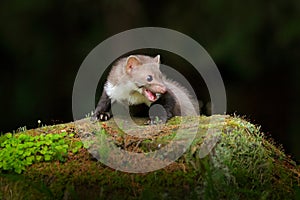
233, 160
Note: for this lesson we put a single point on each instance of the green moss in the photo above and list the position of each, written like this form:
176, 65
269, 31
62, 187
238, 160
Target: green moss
242, 165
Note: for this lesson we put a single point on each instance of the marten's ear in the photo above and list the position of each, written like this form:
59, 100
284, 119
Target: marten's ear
157, 59
132, 62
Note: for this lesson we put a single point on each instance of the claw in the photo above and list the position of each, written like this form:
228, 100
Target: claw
104, 116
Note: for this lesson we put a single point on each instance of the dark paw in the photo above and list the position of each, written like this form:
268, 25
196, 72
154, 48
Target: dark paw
104, 116
101, 116
158, 114
154, 120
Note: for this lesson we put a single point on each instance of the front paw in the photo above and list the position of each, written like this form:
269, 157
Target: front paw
158, 114
103, 116
155, 120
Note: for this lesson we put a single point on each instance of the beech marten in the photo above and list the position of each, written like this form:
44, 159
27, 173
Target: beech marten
136, 80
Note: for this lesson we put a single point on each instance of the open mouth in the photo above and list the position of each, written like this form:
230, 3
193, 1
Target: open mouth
150, 95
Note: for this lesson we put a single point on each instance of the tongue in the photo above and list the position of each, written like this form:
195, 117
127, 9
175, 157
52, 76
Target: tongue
150, 95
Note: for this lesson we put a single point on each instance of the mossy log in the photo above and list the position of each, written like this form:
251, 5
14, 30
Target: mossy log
217, 157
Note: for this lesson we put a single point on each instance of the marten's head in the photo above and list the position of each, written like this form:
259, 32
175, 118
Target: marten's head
145, 73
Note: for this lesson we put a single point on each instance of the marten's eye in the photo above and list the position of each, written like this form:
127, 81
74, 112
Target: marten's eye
149, 78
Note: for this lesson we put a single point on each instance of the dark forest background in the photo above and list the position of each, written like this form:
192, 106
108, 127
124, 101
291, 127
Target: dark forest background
255, 44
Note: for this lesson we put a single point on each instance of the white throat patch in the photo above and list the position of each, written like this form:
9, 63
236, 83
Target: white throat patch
126, 93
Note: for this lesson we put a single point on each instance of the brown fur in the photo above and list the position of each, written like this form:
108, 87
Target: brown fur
137, 79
